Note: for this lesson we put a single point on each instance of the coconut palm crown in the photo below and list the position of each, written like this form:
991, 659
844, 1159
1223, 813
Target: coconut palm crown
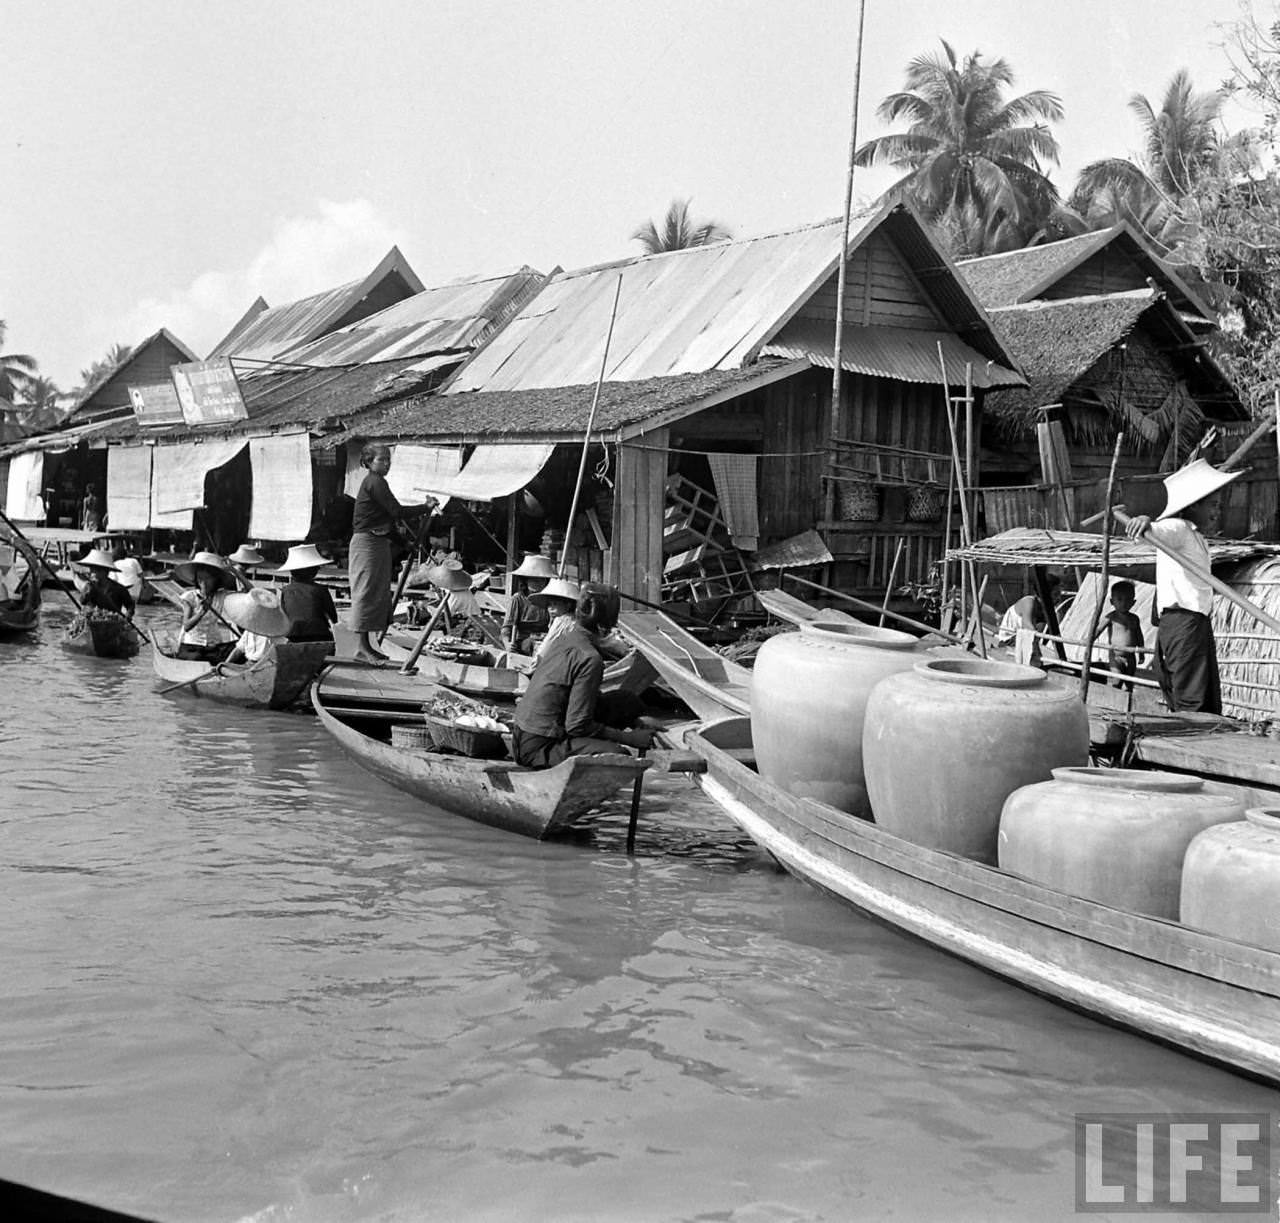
16, 371
679, 231
969, 151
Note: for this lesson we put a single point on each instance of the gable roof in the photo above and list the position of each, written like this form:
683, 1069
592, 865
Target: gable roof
448, 318
708, 308
148, 361
1015, 277
260, 337
1056, 342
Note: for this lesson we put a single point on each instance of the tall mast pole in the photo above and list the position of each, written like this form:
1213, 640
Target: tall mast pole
841, 276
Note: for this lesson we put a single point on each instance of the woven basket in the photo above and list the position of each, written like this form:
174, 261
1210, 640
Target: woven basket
858, 502
417, 737
925, 503
468, 740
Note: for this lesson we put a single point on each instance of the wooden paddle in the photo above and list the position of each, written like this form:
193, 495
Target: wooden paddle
186, 683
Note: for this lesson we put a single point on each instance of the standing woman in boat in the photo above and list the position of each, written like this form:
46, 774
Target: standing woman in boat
369, 560
1186, 658
207, 635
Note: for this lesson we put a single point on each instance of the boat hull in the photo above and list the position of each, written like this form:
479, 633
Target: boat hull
710, 685
537, 803
274, 681
100, 640
1210, 996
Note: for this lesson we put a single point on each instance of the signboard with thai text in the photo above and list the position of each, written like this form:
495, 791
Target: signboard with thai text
208, 392
156, 404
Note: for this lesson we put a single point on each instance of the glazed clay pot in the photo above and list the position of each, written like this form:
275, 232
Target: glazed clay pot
1117, 836
808, 694
948, 741
1231, 880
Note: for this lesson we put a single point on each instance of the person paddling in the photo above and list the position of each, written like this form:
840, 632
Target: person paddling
104, 593
206, 633
1186, 657
308, 605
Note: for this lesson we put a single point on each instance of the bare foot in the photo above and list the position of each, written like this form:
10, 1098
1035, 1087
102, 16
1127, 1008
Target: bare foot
373, 660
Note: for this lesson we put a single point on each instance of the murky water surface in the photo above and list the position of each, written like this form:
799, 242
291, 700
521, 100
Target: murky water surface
244, 980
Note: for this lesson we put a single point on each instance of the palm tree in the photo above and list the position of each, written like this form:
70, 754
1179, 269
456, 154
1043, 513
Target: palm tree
101, 370
972, 157
16, 370
679, 231
42, 406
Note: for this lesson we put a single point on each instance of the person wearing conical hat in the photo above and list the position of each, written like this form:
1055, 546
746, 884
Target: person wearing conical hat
261, 619
207, 634
308, 605
526, 620
238, 562
1186, 657
557, 716
560, 598
103, 593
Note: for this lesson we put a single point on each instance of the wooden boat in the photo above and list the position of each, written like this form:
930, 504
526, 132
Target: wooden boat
1209, 996
537, 803
712, 686
103, 636
783, 606
22, 614
274, 681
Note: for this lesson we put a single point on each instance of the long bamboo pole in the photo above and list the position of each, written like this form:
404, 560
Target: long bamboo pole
928, 629
893, 573
837, 350
586, 437
1096, 618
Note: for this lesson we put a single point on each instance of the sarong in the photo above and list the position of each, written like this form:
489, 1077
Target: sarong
369, 571
1187, 662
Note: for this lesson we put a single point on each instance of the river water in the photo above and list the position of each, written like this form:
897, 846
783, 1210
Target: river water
243, 980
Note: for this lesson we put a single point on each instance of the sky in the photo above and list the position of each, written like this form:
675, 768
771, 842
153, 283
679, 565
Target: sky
167, 161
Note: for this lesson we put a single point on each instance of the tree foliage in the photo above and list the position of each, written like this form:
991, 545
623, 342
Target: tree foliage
16, 371
679, 231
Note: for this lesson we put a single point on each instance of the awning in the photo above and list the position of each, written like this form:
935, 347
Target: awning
900, 353
178, 472
414, 470
129, 488
281, 486
26, 475
495, 471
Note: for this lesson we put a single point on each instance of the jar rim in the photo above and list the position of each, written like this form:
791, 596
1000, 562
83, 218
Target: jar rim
856, 633
1264, 817
980, 672
1154, 781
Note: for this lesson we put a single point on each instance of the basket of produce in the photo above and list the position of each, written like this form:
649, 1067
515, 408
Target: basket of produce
467, 727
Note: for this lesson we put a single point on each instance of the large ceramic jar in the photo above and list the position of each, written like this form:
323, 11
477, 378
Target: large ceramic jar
1231, 880
808, 694
1117, 836
948, 741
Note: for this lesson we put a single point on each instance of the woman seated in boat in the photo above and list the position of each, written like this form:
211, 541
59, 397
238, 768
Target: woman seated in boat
308, 605
560, 598
558, 715
527, 620
104, 593
239, 561
207, 635
261, 619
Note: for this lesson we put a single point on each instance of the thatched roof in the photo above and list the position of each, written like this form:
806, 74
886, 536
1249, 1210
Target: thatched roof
1057, 342
1036, 546
560, 413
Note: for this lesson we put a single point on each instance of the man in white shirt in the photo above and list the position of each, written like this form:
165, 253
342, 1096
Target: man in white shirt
1186, 658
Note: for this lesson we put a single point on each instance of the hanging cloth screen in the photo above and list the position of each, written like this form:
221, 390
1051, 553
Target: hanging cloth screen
26, 475
495, 471
178, 472
735, 478
281, 486
129, 488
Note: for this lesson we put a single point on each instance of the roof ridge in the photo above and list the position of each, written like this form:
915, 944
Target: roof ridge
1092, 234
1049, 303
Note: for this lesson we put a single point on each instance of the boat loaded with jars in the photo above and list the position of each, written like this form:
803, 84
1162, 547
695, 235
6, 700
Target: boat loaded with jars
953, 797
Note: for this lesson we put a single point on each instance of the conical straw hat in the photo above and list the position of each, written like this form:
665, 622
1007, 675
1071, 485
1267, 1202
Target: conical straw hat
96, 558
534, 566
186, 571
557, 588
1193, 483
257, 611
303, 556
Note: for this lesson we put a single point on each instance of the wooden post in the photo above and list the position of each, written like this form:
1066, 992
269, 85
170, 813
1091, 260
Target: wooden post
1091, 636
513, 537
837, 351
893, 573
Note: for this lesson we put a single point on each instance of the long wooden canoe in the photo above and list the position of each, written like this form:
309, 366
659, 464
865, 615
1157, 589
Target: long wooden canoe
538, 803
1210, 996
783, 606
22, 615
274, 681
712, 686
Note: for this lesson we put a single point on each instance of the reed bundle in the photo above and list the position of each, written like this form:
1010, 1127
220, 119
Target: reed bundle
1247, 658
1038, 546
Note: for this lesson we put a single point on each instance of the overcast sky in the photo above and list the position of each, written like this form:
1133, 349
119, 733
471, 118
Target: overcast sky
166, 161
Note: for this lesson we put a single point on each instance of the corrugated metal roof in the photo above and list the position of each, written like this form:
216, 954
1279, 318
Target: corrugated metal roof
690, 311
889, 352
273, 331
449, 318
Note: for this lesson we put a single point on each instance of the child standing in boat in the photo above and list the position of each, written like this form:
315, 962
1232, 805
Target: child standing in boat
1124, 630
206, 633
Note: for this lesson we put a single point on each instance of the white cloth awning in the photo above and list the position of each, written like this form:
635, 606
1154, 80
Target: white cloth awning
24, 498
281, 486
129, 488
415, 471
495, 471
178, 472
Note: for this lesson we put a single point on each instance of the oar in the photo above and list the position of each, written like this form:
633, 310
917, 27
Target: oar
186, 683
414, 553
635, 808
41, 558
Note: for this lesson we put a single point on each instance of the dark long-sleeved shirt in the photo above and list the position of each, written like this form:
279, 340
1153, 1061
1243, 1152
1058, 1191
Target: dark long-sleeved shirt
560, 702
376, 506
110, 596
